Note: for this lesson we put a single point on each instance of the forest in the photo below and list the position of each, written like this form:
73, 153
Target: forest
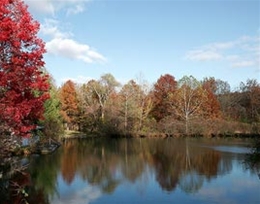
31, 104
33, 107
169, 107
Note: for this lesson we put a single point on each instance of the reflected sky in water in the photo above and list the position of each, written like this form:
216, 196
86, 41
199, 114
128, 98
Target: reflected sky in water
146, 171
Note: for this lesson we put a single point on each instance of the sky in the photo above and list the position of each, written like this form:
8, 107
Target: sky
86, 39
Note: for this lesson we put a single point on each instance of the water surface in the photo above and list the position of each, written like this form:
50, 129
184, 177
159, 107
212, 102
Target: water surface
145, 171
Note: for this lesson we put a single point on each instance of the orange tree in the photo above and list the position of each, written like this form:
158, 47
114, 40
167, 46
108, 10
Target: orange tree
69, 105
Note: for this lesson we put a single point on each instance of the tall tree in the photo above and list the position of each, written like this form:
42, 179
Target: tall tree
145, 103
250, 100
89, 107
225, 97
23, 85
166, 85
211, 105
129, 104
52, 113
102, 89
69, 104
188, 100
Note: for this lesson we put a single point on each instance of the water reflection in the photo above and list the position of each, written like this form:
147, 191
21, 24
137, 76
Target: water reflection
105, 170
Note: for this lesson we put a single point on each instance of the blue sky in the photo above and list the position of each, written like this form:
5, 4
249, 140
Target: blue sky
128, 38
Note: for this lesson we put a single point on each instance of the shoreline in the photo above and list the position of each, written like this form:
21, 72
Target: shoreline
80, 135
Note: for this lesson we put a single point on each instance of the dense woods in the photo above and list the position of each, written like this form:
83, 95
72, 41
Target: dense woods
33, 107
166, 108
29, 97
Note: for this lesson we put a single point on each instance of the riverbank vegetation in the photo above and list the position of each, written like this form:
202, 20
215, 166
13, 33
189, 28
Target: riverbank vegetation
24, 84
32, 106
166, 108
34, 112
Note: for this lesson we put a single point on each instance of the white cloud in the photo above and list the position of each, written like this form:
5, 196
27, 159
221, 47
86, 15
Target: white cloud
43, 6
51, 27
245, 63
242, 52
95, 55
209, 52
84, 196
225, 45
51, 6
232, 57
71, 49
62, 44
76, 9
203, 55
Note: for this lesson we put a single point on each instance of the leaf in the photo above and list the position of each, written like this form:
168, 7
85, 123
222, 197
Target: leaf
23, 87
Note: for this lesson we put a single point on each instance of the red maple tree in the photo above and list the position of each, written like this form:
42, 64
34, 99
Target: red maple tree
163, 88
23, 85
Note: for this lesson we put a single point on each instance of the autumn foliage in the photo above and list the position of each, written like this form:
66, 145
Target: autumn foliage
23, 85
169, 107
165, 86
211, 106
69, 104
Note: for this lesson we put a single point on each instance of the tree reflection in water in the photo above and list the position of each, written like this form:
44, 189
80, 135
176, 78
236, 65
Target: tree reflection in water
252, 160
99, 161
108, 163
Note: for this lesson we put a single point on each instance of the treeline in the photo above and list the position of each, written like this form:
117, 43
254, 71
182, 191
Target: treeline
166, 108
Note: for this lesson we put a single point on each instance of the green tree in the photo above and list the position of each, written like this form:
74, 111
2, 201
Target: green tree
52, 116
89, 107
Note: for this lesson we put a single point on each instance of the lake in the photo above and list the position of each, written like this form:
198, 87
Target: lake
144, 170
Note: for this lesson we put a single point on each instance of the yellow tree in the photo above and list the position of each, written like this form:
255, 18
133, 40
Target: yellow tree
128, 97
188, 99
88, 106
145, 102
102, 89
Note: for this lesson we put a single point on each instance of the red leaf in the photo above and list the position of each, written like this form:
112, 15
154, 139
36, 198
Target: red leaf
23, 87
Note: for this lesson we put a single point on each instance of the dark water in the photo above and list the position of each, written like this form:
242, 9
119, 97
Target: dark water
144, 171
